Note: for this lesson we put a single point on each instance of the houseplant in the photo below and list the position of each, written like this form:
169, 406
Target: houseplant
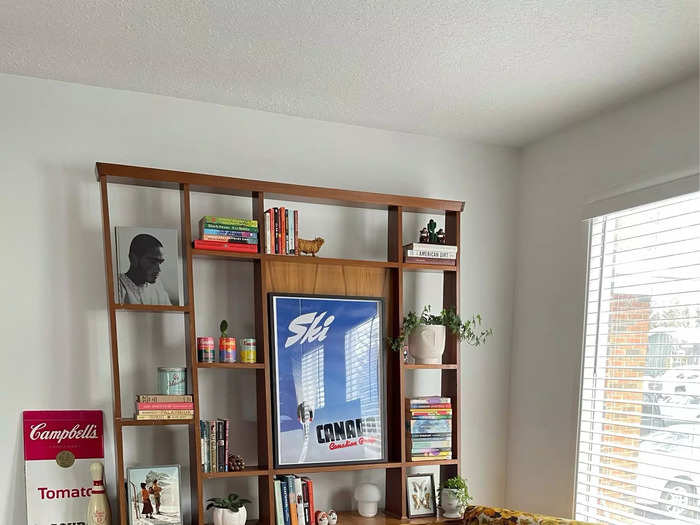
426, 334
454, 497
229, 511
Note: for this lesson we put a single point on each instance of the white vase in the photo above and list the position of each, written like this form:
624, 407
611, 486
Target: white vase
227, 517
450, 504
427, 343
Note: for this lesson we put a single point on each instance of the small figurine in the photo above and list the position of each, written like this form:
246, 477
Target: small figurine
424, 238
236, 463
441, 236
321, 518
312, 247
332, 517
432, 236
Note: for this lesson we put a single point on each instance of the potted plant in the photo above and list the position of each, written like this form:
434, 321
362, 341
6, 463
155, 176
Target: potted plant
454, 497
229, 511
426, 334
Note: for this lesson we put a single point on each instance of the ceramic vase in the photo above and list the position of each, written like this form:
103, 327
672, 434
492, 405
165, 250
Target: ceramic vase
427, 343
227, 517
450, 504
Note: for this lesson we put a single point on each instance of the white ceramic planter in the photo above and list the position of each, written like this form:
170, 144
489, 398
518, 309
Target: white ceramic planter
450, 504
226, 517
427, 343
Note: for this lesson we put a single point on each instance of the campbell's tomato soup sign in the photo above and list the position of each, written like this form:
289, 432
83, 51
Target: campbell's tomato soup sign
59, 446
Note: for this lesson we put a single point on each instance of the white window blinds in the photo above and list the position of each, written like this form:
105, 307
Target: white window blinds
639, 430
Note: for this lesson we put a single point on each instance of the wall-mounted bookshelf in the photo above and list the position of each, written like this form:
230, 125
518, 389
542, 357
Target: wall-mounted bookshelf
293, 274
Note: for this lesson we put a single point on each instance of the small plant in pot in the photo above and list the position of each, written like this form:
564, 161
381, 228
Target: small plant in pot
228, 511
454, 497
426, 334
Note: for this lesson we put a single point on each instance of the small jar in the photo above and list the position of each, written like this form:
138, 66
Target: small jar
248, 351
205, 349
227, 350
172, 381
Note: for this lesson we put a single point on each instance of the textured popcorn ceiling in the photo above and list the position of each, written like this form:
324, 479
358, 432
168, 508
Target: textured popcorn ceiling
498, 71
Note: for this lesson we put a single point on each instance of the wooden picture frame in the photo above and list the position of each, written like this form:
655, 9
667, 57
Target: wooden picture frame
420, 494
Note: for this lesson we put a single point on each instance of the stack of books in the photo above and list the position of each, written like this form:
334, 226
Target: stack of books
294, 500
228, 234
214, 437
154, 407
429, 421
282, 231
430, 254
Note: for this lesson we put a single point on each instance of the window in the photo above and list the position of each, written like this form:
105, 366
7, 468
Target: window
639, 430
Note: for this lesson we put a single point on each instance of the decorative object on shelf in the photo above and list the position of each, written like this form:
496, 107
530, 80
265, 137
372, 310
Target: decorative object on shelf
426, 334
227, 345
249, 353
321, 518
59, 447
205, 350
281, 231
454, 497
154, 492
310, 246
420, 491
214, 440
236, 463
149, 267
332, 517
432, 236
327, 379
228, 511
98, 512
172, 381
367, 496
424, 236
441, 236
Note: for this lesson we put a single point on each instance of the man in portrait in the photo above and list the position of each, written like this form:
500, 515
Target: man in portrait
140, 283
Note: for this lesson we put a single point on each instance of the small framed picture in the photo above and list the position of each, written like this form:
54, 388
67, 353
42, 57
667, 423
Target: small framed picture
154, 495
420, 491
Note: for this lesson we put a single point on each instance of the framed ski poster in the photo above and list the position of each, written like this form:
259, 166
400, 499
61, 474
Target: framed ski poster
328, 379
59, 446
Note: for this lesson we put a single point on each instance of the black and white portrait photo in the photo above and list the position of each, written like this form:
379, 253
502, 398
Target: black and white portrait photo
147, 266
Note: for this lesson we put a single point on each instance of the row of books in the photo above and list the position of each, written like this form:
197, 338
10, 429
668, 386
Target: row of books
430, 254
214, 439
294, 500
282, 231
228, 234
153, 407
429, 421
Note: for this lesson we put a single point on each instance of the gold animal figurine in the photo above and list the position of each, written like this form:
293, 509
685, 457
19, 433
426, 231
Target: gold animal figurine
312, 247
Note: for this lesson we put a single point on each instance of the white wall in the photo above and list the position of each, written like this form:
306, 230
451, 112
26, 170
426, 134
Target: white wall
642, 142
54, 320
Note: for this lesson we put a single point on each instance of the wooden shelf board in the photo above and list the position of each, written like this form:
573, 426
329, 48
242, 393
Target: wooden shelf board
417, 267
336, 468
430, 463
232, 365
249, 471
130, 422
221, 254
353, 518
149, 308
307, 259
415, 366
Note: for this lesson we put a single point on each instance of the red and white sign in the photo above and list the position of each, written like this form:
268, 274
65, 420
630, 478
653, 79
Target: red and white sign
59, 446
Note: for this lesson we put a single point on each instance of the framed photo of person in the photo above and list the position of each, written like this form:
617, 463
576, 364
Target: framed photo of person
420, 491
328, 379
149, 268
154, 495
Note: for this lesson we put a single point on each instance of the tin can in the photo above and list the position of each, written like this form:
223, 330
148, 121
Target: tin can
227, 350
205, 350
248, 352
172, 381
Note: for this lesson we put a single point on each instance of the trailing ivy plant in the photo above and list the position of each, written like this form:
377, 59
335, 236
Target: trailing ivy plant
232, 503
459, 484
470, 330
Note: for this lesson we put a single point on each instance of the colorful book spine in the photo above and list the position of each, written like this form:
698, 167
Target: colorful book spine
305, 502
290, 234
227, 425
428, 444
225, 246
298, 492
229, 233
427, 260
212, 446
429, 400
230, 220
442, 248
229, 239
164, 406
148, 398
279, 513
310, 490
227, 227
202, 448
286, 231
284, 490
155, 417
432, 451
426, 253
433, 435
294, 517
277, 230
267, 232
296, 240
282, 230
184, 413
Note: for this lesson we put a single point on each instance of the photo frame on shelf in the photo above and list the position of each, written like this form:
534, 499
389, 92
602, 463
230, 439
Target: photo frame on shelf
328, 379
154, 495
149, 266
420, 492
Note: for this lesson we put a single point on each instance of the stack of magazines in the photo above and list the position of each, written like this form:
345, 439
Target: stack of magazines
429, 421
227, 234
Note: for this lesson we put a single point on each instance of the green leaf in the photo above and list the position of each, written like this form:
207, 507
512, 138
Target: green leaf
223, 327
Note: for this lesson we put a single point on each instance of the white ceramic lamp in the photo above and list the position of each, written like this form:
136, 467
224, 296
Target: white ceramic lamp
367, 496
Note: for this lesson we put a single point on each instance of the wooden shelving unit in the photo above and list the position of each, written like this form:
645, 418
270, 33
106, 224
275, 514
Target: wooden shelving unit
294, 274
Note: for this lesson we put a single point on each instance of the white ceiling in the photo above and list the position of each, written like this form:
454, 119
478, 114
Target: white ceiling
499, 71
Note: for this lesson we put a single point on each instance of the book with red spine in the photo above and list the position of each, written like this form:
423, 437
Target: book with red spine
286, 231
296, 243
271, 247
277, 230
282, 227
430, 260
164, 406
225, 246
310, 490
